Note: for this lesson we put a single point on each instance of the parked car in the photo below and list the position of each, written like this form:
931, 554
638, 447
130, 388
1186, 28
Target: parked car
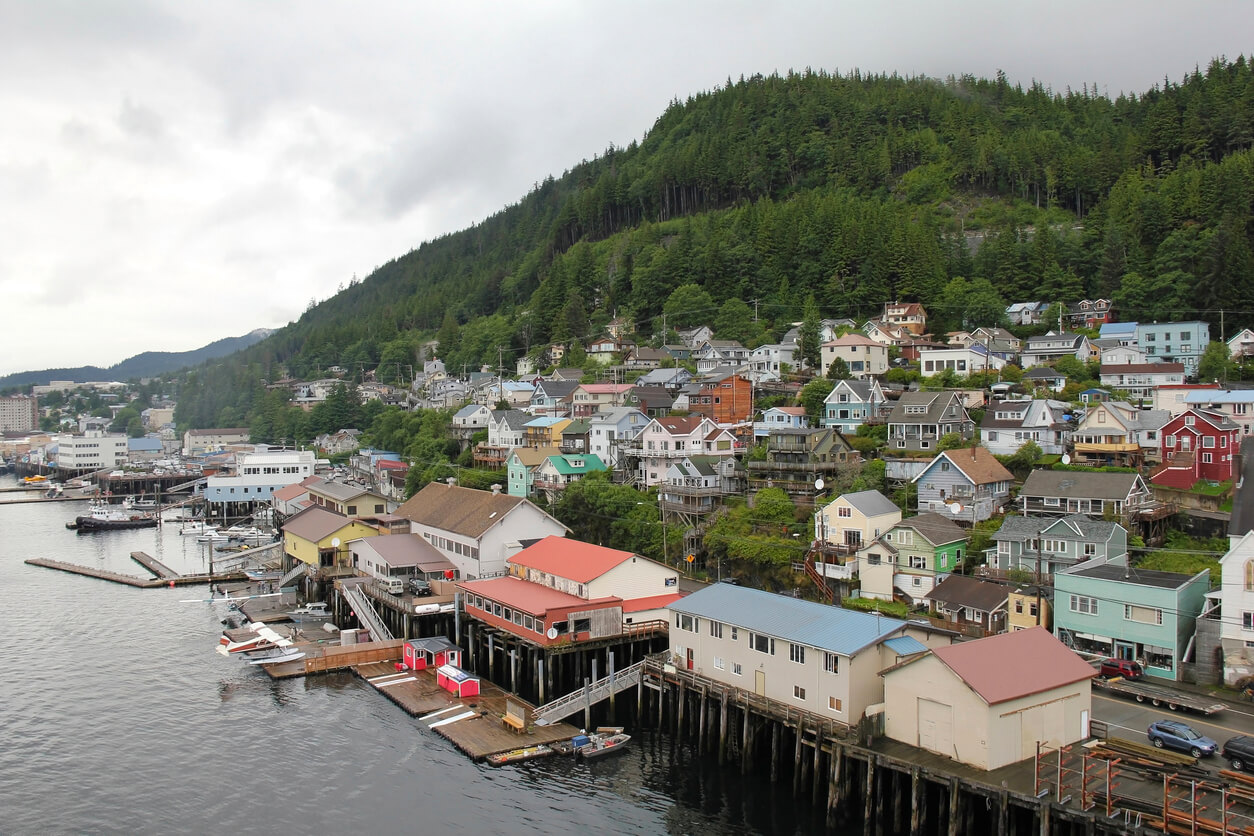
1172, 734
1239, 752
396, 586
420, 586
1126, 668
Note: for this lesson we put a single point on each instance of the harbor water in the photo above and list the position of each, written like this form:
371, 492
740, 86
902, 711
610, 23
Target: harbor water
119, 717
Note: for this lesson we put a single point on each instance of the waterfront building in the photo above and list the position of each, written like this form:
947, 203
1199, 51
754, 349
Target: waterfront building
199, 442
349, 500
400, 556
990, 702
476, 530
259, 474
19, 413
320, 539
91, 451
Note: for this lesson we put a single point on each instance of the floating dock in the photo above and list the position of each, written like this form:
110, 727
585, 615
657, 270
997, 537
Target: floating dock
153, 565
472, 724
131, 580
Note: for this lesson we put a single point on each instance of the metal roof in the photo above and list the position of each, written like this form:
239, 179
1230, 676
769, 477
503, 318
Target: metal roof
905, 645
871, 503
834, 629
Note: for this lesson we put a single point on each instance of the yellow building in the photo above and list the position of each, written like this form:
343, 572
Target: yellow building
319, 538
1021, 609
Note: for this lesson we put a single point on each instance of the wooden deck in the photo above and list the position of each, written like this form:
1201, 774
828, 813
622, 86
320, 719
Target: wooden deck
477, 736
153, 565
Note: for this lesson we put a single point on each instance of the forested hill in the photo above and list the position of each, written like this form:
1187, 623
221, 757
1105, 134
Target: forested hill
855, 188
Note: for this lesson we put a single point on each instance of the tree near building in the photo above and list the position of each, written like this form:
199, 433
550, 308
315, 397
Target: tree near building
1214, 362
808, 337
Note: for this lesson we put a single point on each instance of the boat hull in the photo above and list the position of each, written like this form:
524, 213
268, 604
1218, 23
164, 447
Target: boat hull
82, 524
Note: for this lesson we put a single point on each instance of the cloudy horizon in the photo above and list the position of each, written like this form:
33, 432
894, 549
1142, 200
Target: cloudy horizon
173, 174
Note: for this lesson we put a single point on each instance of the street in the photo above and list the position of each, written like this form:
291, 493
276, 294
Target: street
1128, 719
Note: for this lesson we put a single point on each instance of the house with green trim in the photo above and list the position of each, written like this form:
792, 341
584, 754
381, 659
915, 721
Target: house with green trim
558, 471
911, 558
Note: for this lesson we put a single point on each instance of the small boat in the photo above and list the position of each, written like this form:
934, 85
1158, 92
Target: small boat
246, 534
316, 611
526, 753
604, 741
36, 480
274, 656
104, 518
196, 527
263, 574
139, 504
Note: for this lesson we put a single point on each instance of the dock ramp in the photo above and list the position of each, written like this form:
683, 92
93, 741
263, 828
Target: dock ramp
563, 707
367, 614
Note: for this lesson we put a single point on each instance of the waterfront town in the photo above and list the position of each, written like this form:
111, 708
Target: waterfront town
909, 572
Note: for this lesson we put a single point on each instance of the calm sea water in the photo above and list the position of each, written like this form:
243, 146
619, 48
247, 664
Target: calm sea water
117, 716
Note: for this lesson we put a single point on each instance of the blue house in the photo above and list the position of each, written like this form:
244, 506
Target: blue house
1111, 609
966, 485
781, 418
852, 402
1174, 342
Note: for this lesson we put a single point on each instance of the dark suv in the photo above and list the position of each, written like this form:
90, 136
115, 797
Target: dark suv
1120, 667
1239, 751
419, 586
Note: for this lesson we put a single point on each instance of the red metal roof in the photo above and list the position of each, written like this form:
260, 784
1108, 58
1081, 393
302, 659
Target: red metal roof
654, 602
530, 597
1013, 665
579, 562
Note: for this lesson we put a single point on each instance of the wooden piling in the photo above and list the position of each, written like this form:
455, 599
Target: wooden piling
918, 802
817, 785
955, 807
722, 729
705, 701
796, 758
1003, 813
746, 742
679, 710
868, 798
774, 752
833, 782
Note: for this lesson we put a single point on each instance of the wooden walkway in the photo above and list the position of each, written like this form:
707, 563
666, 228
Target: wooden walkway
153, 565
479, 735
131, 580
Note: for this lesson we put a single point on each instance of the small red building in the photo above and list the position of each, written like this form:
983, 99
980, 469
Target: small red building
457, 681
1198, 444
724, 399
421, 654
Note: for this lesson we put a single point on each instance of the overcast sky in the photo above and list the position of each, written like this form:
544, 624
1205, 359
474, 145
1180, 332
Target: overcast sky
172, 173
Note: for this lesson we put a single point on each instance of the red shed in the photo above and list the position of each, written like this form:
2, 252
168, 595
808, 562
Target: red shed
421, 654
457, 681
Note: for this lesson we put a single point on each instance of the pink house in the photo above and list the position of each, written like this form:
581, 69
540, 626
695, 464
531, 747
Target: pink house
1197, 444
588, 398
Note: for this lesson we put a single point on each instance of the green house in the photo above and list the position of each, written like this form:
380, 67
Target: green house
912, 557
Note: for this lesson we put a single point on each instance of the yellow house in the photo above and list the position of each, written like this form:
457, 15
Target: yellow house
1021, 609
319, 538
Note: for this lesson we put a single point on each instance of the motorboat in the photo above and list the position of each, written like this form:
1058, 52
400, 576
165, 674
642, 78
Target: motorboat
139, 504
196, 527
315, 611
604, 741
263, 574
246, 534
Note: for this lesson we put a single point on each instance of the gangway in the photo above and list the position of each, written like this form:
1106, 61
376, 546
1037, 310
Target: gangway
297, 572
602, 689
367, 614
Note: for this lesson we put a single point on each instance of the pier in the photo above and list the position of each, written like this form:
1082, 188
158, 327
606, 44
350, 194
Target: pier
153, 565
132, 580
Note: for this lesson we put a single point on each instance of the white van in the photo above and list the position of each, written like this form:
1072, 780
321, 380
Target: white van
396, 586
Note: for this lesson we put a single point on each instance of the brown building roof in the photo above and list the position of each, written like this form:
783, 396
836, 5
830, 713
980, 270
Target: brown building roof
980, 466
459, 510
1012, 665
1143, 368
529, 597
408, 550
969, 592
315, 523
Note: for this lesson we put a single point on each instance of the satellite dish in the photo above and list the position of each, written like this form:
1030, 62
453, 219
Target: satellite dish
335, 542
1066, 459
955, 507
552, 634
818, 484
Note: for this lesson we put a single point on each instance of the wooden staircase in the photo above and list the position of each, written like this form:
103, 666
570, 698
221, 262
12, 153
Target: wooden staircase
812, 572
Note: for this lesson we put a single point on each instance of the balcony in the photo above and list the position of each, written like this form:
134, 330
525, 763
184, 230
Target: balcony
1104, 447
670, 489
793, 467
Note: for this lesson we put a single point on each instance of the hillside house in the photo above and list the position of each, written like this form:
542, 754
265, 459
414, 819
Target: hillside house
797, 458
852, 403
1064, 492
1055, 544
966, 485
671, 439
911, 557
1197, 445
553, 397
919, 419
961, 361
1174, 342
506, 433
521, 469
1052, 347
713, 354
610, 428
863, 355
908, 315
1090, 313
1140, 380
724, 398
780, 418
1008, 425
967, 602
1115, 433
1026, 313
1237, 404
558, 471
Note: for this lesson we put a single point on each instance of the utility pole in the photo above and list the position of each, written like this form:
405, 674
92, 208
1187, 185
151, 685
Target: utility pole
755, 310
1038, 579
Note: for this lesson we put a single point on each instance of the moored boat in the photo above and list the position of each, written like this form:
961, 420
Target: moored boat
315, 611
525, 753
104, 518
604, 741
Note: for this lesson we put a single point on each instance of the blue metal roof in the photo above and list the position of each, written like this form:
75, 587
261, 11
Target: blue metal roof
1205, 396
905, 645
802, 622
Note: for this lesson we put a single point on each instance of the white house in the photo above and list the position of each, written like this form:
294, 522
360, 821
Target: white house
1040, 351
863, 355
1008, 425
1140, 380
675, 438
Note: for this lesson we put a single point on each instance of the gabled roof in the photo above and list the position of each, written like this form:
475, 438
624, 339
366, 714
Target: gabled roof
564, 463
514, 419
680, 424
316, 523
300, 488
1043, 373
570, 559
852, 339
936, 403
976, 463
841, 631
1079, 483
870, 503
1216, 419
459, 510
533, 456
1013, 665
469, 410
937, 529
556, 389
1142, 368
408, 550
339, 491
1073, 527
964, 591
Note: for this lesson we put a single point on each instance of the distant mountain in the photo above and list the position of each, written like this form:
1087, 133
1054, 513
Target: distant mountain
148, 364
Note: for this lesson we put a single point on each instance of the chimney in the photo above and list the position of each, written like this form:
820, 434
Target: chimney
451, 481
496, 489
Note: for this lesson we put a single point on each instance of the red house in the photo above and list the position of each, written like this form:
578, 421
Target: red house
724, 399
1198, 444
421, 654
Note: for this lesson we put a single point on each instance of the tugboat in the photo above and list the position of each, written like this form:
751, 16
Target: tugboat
104, 518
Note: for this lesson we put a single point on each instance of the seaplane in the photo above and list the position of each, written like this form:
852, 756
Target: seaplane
252, 638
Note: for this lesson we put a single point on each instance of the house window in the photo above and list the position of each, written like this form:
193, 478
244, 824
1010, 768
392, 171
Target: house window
831, 663
797, 653
761, 643
1207, 458
798, 693
918, 562
1084, 604
1054, 546
735, 634
1170, 440
686, 622
905, 537
736, 669
1090, 549
716, 629
844, 512
833, 703
1052, 501
1142, 615
991, 435
1247, 621
1019, 606
718, 663
1208, 441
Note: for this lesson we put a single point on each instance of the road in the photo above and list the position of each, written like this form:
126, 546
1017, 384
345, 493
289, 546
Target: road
1243, 503
1128, 719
